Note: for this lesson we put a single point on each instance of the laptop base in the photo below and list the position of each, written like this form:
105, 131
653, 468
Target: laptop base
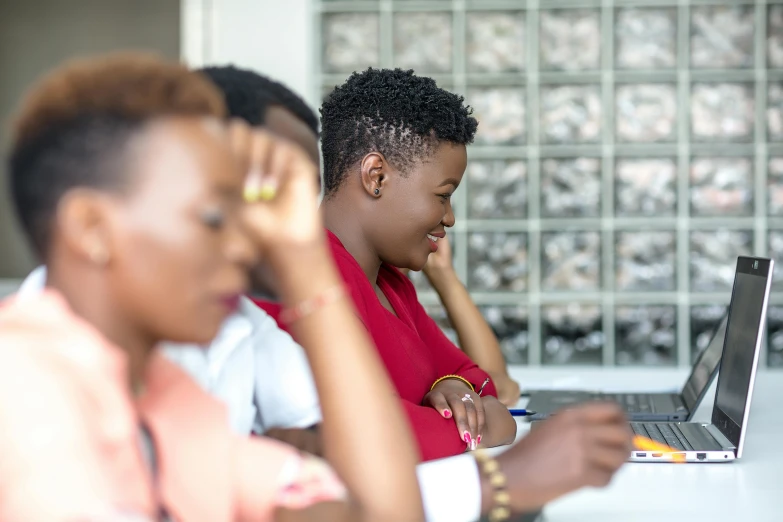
696, 442
651, 407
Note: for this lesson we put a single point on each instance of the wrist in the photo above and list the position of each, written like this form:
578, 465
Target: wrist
304, 272
495, 497
452, 381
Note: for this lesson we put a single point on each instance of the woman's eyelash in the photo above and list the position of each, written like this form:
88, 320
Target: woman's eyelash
212, 218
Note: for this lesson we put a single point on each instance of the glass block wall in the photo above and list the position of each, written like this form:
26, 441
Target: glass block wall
627, 152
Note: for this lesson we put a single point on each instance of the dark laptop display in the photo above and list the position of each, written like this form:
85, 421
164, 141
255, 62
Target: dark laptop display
735, 387
704, 370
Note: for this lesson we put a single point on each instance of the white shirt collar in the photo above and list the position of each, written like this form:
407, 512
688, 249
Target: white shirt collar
33, 284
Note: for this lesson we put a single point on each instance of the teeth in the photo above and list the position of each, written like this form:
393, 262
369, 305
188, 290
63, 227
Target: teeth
433, 238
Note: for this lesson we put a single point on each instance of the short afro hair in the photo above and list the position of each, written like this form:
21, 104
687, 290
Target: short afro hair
76, 123
394, 112
248, 95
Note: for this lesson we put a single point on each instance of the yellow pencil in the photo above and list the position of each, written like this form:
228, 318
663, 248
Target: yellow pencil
643, 443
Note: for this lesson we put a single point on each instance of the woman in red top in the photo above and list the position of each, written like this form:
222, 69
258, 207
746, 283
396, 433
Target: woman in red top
394, 149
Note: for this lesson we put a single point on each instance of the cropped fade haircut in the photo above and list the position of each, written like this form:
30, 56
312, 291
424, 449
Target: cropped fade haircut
393, 112
76, 123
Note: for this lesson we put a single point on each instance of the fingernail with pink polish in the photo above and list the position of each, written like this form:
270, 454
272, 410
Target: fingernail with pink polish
466, 437
447, 414
478, 440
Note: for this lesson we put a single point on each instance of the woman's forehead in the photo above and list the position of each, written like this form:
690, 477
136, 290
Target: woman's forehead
447, 161
181, 154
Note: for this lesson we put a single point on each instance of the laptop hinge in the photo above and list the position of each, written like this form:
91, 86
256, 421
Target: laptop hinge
719, 437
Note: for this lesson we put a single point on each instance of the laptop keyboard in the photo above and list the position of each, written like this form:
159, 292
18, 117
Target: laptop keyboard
664, 433
632, 402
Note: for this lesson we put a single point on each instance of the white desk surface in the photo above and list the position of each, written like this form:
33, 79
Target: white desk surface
748, 490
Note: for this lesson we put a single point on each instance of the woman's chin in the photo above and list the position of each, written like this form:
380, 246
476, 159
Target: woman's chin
417, 266
414, 262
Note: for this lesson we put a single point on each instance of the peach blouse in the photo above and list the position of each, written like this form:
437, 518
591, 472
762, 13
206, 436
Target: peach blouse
70, 434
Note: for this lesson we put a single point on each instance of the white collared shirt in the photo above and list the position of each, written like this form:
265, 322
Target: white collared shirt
264, 378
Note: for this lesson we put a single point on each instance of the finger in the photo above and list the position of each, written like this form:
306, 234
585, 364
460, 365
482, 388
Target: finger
262, 148
480, 418
438, 401
460, 411
239, 138
256, 151
294, 170
619, 436
471, 408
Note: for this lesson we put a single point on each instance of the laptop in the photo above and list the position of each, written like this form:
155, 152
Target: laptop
722, 440
645, 406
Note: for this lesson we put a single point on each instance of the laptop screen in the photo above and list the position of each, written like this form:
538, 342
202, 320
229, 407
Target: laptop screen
744, 330
704, 369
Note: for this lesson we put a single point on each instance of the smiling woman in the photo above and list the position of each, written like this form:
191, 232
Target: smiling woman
394, 149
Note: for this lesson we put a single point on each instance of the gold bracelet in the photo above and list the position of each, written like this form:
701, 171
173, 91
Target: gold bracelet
459, 378
497, 479
307, 307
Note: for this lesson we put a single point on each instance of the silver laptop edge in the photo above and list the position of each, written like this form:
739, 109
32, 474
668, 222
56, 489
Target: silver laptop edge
756, 352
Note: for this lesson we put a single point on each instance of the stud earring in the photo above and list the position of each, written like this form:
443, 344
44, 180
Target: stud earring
377, 191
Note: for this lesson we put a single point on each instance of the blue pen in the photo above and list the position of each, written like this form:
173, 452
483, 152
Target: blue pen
521, 413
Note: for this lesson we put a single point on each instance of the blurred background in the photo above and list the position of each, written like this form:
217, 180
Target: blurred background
627, 151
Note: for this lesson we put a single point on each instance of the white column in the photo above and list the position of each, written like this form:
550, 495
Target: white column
273, 37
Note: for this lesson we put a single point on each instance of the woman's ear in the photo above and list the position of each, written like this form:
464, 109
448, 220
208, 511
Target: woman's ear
82, 222
373, 170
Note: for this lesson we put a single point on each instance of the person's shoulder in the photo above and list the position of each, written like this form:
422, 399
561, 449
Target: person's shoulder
32, 330
44, 322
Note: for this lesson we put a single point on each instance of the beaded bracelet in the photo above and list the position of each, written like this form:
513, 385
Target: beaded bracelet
497, 479
458, 377
307, 307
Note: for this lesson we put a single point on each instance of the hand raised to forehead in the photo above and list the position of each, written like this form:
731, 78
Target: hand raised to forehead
281, 190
